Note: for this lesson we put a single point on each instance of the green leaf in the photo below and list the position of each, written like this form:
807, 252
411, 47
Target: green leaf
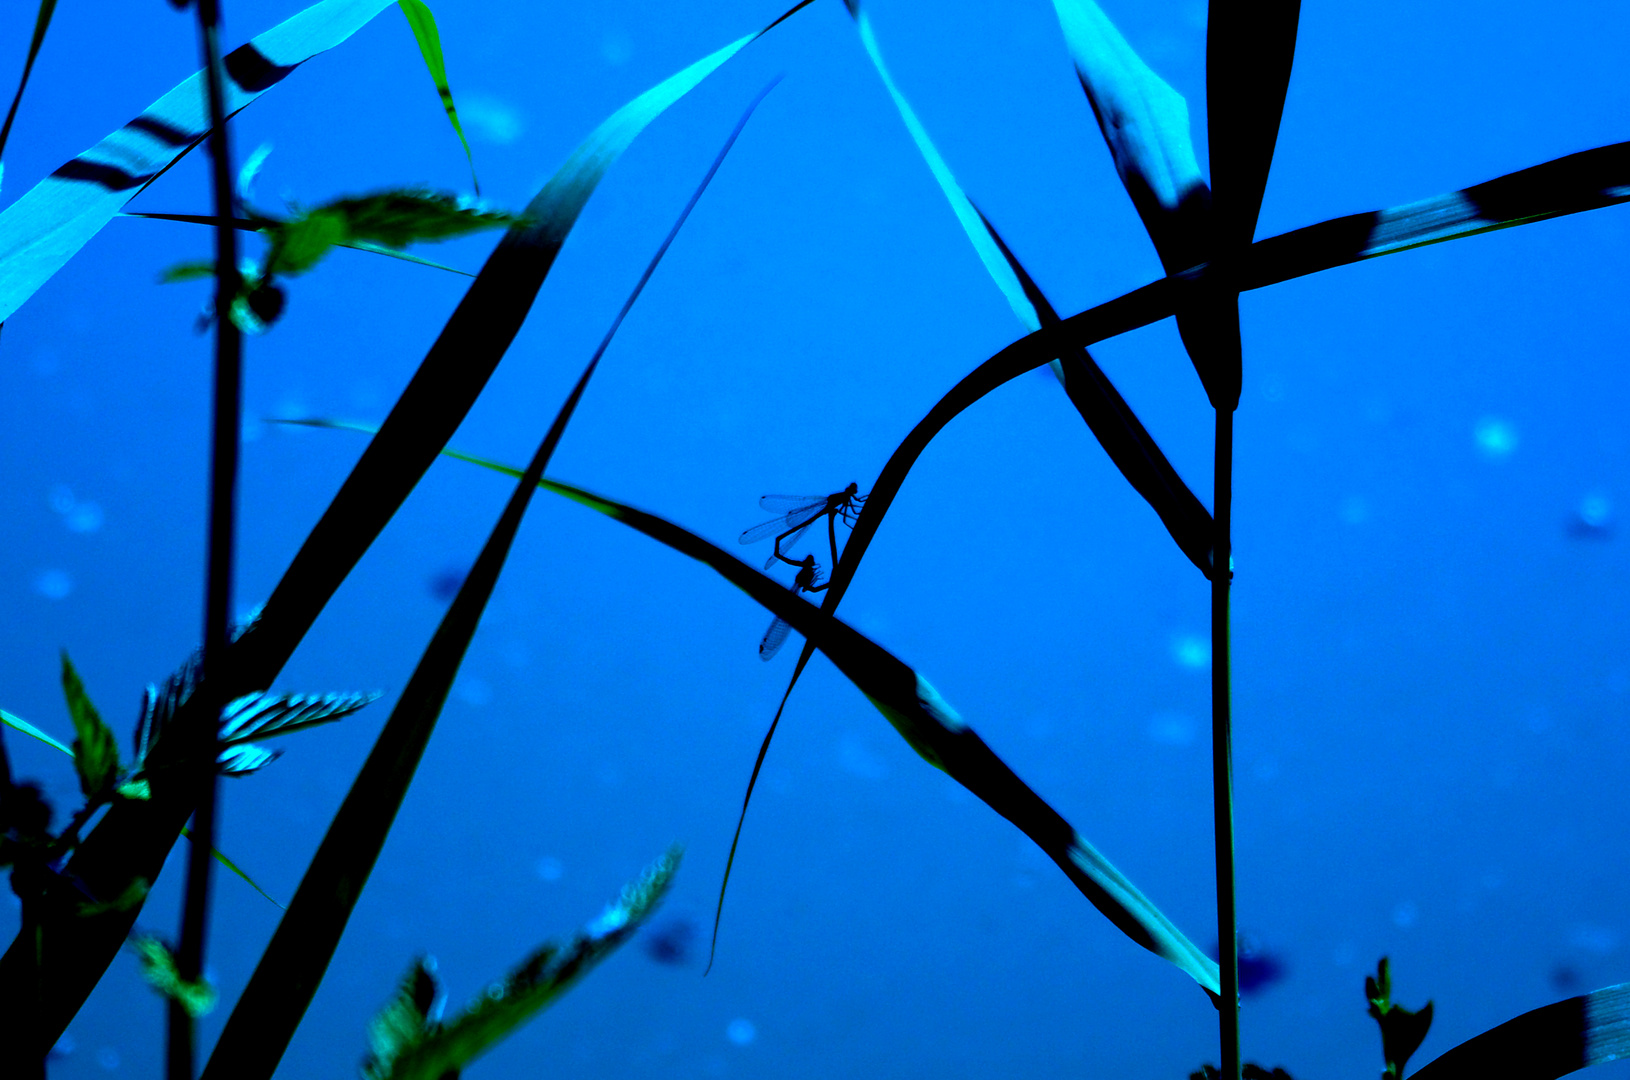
187, 271
542, 977
13, 721
267, 715
391, 219
42, 20
237, 870
41, 231
163, 973
424, 32
96, 751
404, 1021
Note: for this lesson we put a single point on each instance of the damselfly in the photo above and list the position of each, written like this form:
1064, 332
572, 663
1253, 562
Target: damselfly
808, 580
797, 513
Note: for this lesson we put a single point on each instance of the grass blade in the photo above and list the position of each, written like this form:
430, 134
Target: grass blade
935, 731
453, 374
997, 265
42, 21
927, 723
1146, 124
1249, 50
292, 966
13, 721
424, 32
41, 231
273, 1004
1588, 180
1544, 1043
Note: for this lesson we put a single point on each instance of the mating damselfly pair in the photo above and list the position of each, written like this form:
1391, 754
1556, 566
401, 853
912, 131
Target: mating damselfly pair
794, 515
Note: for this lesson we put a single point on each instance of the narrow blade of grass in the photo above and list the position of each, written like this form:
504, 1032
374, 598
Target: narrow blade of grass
1249, 50
1544, 1043
13, 721
1111, 420
1588, 180
425, 33
1146, 126
42, 22
41, 231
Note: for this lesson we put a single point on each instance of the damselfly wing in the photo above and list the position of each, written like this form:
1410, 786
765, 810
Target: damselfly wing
808, 580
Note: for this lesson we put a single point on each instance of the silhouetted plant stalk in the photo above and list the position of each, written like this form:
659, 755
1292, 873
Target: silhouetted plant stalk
225, 424
1222, 746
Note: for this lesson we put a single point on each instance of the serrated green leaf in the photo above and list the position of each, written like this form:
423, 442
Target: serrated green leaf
541, 978
404, 1021
425, 33
298, 244
96, 751
267, 715
163, 973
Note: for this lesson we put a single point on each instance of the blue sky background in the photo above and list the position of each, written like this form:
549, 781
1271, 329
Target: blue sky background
1432, 685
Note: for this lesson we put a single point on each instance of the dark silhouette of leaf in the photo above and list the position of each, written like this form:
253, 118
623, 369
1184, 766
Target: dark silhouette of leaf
1544, 1043
1250, 45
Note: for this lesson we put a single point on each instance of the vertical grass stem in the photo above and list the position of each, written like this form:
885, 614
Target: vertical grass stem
1222, 751
225, 424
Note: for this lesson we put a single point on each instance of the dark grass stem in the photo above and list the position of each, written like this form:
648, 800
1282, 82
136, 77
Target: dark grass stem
1222, 748
225, 423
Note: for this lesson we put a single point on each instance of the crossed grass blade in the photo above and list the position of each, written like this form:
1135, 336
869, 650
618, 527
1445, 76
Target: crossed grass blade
134, 838
932, 728
272, 1005
1118, 430
928, 724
